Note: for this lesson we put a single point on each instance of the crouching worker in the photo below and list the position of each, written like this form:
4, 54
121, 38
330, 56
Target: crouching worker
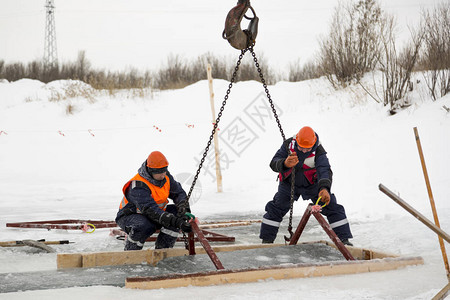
145, 206
313, 177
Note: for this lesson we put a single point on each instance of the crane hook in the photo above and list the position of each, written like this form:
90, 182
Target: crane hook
238, 38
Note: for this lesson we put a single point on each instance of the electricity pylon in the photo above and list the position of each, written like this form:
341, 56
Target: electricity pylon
50, 54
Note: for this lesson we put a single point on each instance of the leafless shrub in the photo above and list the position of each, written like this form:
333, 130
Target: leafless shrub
79, 70
14, 71
35, 70
70, 109
172, 75
353, 44
397, 66
309, 70
219, 66
73, 89
436, 55
82, 66
248, 70
179, 72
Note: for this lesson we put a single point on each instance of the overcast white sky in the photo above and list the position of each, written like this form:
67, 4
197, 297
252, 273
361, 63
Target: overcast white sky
116, 34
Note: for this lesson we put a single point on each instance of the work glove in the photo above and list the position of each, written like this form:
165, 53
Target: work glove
183, 208
168, 220
291, 160
184, 225
324, 196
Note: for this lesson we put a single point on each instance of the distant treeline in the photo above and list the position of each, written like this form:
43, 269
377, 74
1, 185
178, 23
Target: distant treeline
177, 72
361, 39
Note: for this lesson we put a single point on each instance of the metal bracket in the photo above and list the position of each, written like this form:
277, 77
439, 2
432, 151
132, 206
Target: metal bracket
205, 244
312, 209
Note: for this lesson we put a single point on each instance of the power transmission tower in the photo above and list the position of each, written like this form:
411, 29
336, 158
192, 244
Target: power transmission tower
50, 55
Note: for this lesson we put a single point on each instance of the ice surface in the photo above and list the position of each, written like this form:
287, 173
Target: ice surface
46, 176
116, 275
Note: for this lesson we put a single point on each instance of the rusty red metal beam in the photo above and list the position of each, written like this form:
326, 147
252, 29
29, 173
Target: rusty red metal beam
191, 243
68, 224
315, 210
212, 255
301, 225
332, 235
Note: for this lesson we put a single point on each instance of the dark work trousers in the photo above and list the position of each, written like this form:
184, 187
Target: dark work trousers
277, 208
139, 228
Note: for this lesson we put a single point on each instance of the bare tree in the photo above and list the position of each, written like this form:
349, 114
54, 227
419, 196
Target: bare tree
14, 71
352, 46
2, 65
436, 56
35, 69
397, 66
82, 66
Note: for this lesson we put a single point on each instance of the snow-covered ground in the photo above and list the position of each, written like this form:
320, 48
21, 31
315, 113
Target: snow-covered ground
55, 165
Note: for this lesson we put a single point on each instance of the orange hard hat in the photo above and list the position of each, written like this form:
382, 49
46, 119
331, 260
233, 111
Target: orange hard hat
306, 137
157, 160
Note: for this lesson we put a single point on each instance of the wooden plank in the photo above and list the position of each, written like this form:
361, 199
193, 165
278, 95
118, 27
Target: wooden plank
270, 272
433, 205
154, 256
86, 260
23, 243
216, 139
443, 293
362, 253
82, 260
69, 260
414, 212
115, 259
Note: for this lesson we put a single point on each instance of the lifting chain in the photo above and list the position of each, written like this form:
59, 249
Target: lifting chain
287, 239
233, 79
216, 124
263, 81
186, 244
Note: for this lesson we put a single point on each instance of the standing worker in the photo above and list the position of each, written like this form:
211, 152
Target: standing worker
313, 178
145, 206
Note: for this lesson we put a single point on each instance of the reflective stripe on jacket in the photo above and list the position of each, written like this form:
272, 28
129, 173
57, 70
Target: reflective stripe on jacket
159, 194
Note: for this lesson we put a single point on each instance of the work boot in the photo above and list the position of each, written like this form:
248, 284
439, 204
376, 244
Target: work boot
267, 242
164, 241
129, 245
346, 242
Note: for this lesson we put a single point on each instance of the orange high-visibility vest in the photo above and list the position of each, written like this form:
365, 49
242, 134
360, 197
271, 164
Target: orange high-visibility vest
159, 194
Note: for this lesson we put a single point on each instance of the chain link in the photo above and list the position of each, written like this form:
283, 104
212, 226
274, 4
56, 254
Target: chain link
216, 124
263, 81
186, 245
292, 203
233, 79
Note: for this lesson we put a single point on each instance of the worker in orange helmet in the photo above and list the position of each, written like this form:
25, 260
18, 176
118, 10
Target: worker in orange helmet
313, 178
145, 205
